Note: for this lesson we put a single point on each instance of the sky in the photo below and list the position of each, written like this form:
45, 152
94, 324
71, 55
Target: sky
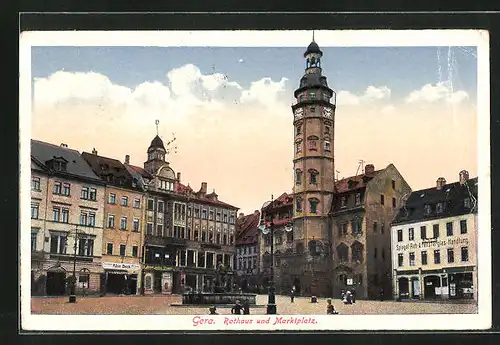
229, 110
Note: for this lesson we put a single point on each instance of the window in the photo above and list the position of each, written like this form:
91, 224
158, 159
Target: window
112, 198
393, 184
393, 202
211, 215
400, 235
203, 236
435, 231
123, 223
343, 201
451, 256
231, 239
217, 216
298, 205
356, 226
35, 183
159, 230
412, 258
137, 203
86, 247
65, 215
149, 229
382, 201
91, 219
327, 146
298, 130
427, 210
313, 205
58, 243
467, 202
66, 187
33, 241
411, 234
449, 229
93, 194
437, 257
56, 214
196, 235
122, 249
111, 221
57, 188
312, 109
423, 232
463, 226
203, 214
439, 208
124, 201
375, 253
382, 228
197, 213
150, 204
161, 206
298, 146
424, 257
298, 176
375, 227
211, 237
109, 249
188, 233
225, 218
312, 176
34, 210
400, 260
136, 225
464, 254
84, 194
358, 198
83, 218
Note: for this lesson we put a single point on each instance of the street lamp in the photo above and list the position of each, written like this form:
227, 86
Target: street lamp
72, 294
271, 298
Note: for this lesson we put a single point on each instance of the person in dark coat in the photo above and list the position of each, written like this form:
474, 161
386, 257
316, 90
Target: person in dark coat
381, 294
213, 310
330, 309
292, 294
353, 294
236, 309
246, 307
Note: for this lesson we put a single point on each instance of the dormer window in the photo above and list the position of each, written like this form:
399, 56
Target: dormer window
57, 164
439, 208
427, 209
467, 202
358, 198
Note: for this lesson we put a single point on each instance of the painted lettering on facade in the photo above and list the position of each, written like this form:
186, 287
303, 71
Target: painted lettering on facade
452, 241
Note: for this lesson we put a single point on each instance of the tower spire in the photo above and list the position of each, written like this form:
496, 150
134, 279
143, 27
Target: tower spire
313, 36
157, 122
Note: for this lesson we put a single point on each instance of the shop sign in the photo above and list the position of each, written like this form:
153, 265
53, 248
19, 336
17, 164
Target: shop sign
349, 281
423, 244
120, 266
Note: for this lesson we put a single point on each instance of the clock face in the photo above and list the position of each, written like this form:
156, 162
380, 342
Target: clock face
298, 113
327, 112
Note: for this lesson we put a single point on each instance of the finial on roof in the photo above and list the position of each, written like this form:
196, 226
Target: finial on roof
313, 36
157, 122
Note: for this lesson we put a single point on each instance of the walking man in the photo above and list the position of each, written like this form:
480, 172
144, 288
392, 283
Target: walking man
292, 294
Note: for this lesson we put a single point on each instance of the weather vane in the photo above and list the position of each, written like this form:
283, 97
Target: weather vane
157, 122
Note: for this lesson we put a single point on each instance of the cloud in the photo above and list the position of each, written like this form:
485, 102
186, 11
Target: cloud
371, 94
264, 91
388, 109
435, 93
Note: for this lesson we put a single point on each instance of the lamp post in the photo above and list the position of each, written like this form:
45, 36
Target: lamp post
271, 298
72, 294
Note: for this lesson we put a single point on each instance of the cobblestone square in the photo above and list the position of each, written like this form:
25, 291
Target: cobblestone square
161, 305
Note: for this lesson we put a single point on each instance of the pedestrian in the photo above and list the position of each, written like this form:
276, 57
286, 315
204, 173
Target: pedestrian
353, 294
246, 307
236, 309
330, 309
292, 294
381, 294
213, 310
347, 297
342, 294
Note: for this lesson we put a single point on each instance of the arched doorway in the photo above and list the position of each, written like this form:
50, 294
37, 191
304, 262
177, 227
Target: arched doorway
403, 288
56, 281
430, 285
296, 283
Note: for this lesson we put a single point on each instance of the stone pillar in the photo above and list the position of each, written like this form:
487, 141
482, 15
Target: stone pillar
421, 282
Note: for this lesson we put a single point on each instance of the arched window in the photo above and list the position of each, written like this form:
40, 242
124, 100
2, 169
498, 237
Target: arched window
313, 143
313, 205
357, 252
148, 282
343, 252
298, 176
298, 146
313, 176
298, 204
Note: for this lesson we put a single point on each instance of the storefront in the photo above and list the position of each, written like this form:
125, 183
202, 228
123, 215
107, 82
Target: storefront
121, 278
160, 280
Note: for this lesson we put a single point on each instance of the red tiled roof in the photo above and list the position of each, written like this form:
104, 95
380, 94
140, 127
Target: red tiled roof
283, 200
140, 171
188, 191
246, 229
359, 181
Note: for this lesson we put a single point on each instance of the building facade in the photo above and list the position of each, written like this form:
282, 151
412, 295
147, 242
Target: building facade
122, 233
63, 188
434, 242
246, 259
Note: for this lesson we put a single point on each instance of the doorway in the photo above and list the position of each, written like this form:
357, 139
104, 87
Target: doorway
403, 288
431, 283
56, 283
157, 282
296, 283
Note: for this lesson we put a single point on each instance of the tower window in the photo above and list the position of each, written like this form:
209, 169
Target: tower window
313, 205
312, 96
313, 176
298, 176
298, 147
312, 109
327, 146
298, 204
327, 129
298, 130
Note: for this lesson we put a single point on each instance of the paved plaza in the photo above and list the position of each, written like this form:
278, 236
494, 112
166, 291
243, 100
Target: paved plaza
161, 305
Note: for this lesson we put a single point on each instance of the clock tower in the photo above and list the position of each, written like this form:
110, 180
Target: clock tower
313, 120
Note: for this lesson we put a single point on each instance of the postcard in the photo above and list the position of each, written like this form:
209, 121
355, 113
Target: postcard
255, 180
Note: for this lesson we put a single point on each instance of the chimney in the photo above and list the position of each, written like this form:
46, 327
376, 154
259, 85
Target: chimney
94, 151
203, 189
369, 169
256, 211
463, 176
179, 177
241, 215
127, 159
441, 181
64, 145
